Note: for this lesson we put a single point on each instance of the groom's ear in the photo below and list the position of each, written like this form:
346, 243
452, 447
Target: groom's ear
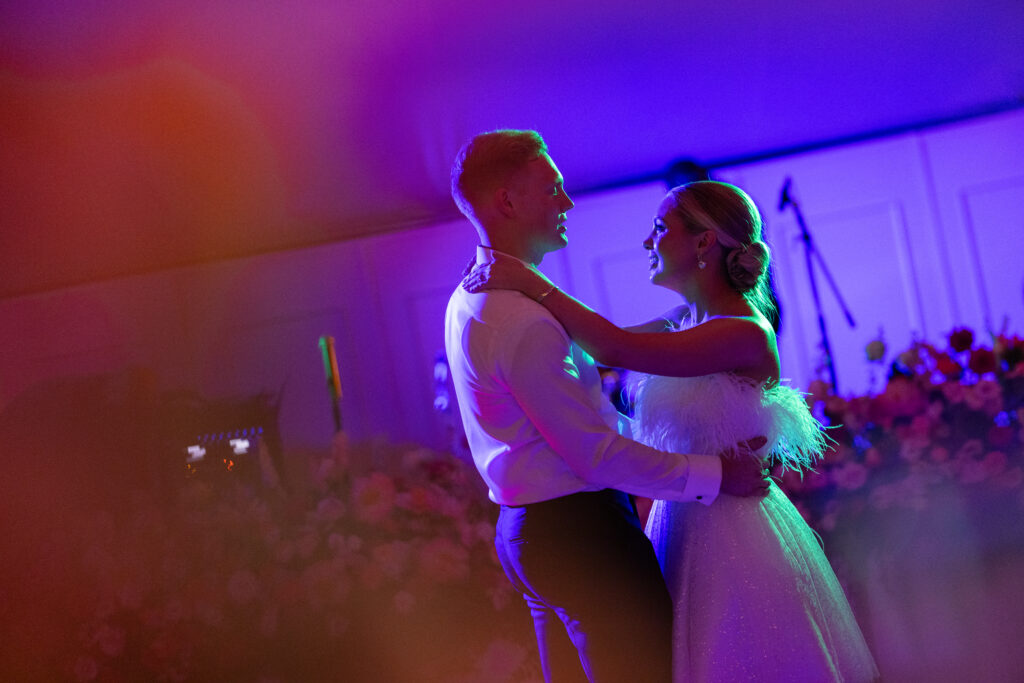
503, 202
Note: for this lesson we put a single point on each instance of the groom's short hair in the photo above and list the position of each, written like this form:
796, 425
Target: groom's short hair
489, 160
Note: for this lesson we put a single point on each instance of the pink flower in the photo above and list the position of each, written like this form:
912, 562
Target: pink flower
501, 595
973, 472
873, 457
330, 509
414, 459
850, 476
818, 390
243, 587
327, 471
912, 448
501, 660
971, 449
994, 462
920, 426
374, 497
828, 521
954, 392
985, 396
444, 560
901, 398
418, 499
391, 559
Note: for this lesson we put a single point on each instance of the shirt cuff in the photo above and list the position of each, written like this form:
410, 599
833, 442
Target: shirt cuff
704, 480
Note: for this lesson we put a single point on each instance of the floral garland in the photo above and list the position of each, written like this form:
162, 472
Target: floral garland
946, 419
380, 566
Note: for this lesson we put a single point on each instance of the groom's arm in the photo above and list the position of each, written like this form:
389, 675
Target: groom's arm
537, 367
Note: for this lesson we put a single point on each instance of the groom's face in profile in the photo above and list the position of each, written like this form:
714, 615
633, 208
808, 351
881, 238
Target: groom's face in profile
541, 203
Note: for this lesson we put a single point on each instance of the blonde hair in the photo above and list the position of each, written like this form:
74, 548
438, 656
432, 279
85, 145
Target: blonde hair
490, 159
732, 215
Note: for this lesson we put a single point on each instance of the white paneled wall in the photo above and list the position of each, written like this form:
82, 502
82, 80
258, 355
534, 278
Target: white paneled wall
921, 232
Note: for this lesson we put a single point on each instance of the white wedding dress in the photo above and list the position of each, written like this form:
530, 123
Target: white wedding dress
754, 596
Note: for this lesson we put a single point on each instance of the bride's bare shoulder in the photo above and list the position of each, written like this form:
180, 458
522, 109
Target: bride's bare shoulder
751, 343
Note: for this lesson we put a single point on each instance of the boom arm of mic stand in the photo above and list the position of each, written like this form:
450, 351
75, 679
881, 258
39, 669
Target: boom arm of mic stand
809, 252
805, 235
832, 284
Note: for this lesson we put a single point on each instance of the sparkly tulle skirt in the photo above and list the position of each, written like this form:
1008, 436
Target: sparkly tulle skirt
754, 596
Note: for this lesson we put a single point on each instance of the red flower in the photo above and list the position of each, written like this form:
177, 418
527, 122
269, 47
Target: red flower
947, 366
961, 339
982, 361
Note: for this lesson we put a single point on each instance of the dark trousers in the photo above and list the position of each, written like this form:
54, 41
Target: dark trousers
590, 577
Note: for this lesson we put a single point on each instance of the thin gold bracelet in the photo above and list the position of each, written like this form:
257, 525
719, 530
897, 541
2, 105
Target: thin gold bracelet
549, 291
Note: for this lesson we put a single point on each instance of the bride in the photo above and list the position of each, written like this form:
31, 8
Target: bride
753, 594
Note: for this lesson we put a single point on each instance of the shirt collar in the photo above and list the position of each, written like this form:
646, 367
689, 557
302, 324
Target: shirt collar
486, 255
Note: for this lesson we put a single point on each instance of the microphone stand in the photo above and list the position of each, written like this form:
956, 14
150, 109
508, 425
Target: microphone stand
811, 252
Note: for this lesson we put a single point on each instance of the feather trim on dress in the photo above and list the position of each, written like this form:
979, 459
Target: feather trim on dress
684, 415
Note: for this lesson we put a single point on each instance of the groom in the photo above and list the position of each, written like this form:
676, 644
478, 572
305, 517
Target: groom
542, 438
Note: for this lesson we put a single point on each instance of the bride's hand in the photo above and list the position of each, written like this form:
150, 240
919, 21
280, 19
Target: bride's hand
506, 273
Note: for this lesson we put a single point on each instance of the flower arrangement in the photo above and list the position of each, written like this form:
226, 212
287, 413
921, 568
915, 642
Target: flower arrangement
378, 565
947, 419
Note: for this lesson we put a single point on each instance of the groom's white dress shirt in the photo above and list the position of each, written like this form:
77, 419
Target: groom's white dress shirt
535, 418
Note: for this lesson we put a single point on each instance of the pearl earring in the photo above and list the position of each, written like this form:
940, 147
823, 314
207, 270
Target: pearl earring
700, 262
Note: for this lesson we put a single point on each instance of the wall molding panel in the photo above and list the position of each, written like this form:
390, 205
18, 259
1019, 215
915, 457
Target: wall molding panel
922, 232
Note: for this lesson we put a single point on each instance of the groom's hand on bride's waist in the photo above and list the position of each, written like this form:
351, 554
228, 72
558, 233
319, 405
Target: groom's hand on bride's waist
743, 473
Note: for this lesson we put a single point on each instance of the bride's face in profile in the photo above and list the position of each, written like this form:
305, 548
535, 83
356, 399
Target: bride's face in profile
671, 248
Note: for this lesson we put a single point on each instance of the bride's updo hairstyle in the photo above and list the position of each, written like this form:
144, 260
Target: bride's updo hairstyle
733, 216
